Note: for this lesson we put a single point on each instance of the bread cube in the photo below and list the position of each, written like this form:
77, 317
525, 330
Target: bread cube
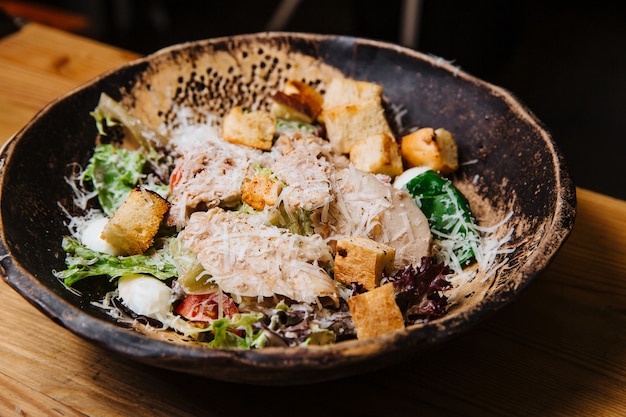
375, 312
254, 129
344, 91
435, 149
298, 101
346, 125
362, 260
131, 230
377, 154
260, 191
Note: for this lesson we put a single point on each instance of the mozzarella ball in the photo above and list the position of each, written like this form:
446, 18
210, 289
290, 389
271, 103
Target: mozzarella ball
91, 237
145, 295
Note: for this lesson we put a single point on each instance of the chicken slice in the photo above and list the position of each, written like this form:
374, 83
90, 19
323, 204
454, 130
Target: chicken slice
209, 175
365, 206
247, 258
312, 145
307, 180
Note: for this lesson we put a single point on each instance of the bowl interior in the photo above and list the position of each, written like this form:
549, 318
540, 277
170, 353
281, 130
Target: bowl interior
511, 166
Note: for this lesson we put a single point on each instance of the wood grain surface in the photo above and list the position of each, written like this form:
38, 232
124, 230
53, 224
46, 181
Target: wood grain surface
559, 350
39, 63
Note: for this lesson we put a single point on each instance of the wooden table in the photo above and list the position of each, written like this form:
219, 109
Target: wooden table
559, 350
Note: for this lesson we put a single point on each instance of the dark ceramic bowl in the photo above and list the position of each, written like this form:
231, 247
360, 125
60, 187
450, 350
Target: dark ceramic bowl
516, 167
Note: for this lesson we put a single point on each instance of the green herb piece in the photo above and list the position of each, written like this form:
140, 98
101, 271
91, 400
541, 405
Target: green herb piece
448, 213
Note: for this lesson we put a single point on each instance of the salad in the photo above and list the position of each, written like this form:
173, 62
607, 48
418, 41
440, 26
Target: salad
305, 224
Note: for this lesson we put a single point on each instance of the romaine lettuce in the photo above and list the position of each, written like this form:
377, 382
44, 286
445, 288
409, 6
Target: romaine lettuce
110, 113
82, 263
114, 172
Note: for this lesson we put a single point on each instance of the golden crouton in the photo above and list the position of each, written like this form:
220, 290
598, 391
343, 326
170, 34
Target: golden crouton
375, 312
344, 91
346, 125
254, 129
435, 149
362, 260
298, 101
132, 228
260, 191
377, 154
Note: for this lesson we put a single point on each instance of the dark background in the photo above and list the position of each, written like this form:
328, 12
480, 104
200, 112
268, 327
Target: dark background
565, 59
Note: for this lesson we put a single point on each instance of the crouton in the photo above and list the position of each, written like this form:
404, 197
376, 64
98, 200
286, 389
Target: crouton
132, 228
298, 101
346, 125
377, 154
260, 191
344, 91
254, 129
362, 260
375, 312
435, 149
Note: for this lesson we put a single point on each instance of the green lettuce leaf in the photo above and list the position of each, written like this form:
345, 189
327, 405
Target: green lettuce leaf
287, 127
297, 222
114, 172
111, 113
237, 332
83, 263
192, 276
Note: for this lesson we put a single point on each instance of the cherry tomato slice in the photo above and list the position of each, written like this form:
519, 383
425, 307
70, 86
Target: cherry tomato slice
206, 307
176, 176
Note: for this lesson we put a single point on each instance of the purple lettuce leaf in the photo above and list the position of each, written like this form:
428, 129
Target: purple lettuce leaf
419, 290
